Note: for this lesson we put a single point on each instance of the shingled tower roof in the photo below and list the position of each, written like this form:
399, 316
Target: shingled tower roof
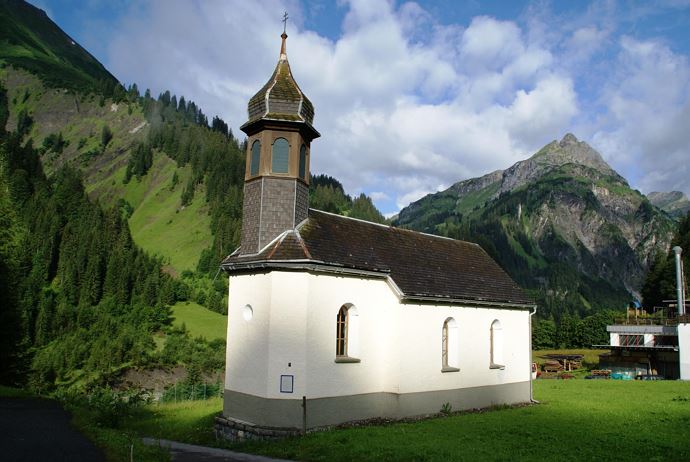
280, 98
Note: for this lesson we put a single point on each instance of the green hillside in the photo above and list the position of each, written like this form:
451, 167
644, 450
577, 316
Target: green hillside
158, 222
31, 41
199, 321
78, 118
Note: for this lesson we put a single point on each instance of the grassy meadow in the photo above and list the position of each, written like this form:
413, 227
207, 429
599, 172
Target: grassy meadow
575, 420
158, 223
187, 421
200, 321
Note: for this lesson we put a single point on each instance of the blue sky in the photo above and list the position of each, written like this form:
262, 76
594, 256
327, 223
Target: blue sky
412, 97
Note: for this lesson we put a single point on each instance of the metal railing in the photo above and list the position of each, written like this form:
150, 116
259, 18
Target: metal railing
653, 321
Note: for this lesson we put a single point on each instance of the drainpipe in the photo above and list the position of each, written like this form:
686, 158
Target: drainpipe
531, 395
679, 282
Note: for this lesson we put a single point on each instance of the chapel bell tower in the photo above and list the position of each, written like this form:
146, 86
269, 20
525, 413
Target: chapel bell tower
276, 179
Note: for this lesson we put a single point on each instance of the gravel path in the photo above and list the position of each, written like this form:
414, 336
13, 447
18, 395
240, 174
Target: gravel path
181, 452
40, 430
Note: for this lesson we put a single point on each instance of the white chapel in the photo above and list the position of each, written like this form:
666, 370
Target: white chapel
333, 319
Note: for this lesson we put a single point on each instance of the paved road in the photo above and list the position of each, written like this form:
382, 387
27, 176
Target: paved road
40, 430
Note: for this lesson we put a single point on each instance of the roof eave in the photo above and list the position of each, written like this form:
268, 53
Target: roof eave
481, 303
323, 267
299, 265
251, 127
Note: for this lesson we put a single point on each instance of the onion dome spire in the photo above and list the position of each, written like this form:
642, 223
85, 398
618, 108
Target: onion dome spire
281, 99
283, 53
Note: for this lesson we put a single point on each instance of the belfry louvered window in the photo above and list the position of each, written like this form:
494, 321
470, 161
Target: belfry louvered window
280, 156
303, 162
256, 158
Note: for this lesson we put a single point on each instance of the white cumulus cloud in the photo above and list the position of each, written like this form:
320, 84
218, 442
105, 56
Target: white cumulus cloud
407, 104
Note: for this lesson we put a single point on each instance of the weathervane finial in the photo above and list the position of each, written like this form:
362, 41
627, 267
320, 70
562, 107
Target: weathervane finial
283, 54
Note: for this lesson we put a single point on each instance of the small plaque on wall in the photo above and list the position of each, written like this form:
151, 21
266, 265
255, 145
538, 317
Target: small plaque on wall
287, 383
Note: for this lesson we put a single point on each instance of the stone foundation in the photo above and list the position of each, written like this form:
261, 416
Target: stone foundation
236, 430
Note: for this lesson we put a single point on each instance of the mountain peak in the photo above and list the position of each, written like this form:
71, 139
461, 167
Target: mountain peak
570, 150
569, 138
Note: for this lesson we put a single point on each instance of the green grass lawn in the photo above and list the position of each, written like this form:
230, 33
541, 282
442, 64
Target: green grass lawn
200, 321
576, 420
187, 421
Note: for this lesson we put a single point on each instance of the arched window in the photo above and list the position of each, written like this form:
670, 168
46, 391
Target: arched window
449, 346
496, 345
256, 158
280, 156
303, 162
347, 334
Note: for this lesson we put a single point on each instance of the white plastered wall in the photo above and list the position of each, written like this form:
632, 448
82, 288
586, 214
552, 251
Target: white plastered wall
420, 347
684, 350
246, 357
399, 347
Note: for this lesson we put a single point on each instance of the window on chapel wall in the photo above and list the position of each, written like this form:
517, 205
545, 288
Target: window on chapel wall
280, 155
497, 345
255, 158
449, 346
303, 162
347, 334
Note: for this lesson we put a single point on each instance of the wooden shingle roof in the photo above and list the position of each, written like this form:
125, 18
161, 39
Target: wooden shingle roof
281, 98
422, 266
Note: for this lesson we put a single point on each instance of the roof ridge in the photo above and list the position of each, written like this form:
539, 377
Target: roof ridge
280, 241
302, 243
391, 227
299, 90
267, 95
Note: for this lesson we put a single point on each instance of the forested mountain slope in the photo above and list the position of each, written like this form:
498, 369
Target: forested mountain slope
80, 301
31, 40
562, 223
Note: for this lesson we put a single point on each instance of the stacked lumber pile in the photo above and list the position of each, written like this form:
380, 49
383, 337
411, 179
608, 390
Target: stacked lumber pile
552, 366
567, 362
602, 373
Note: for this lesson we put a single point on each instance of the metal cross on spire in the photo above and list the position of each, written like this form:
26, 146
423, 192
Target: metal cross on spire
285, 18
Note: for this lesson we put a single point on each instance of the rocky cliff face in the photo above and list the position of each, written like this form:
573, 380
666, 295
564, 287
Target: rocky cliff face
562, 223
